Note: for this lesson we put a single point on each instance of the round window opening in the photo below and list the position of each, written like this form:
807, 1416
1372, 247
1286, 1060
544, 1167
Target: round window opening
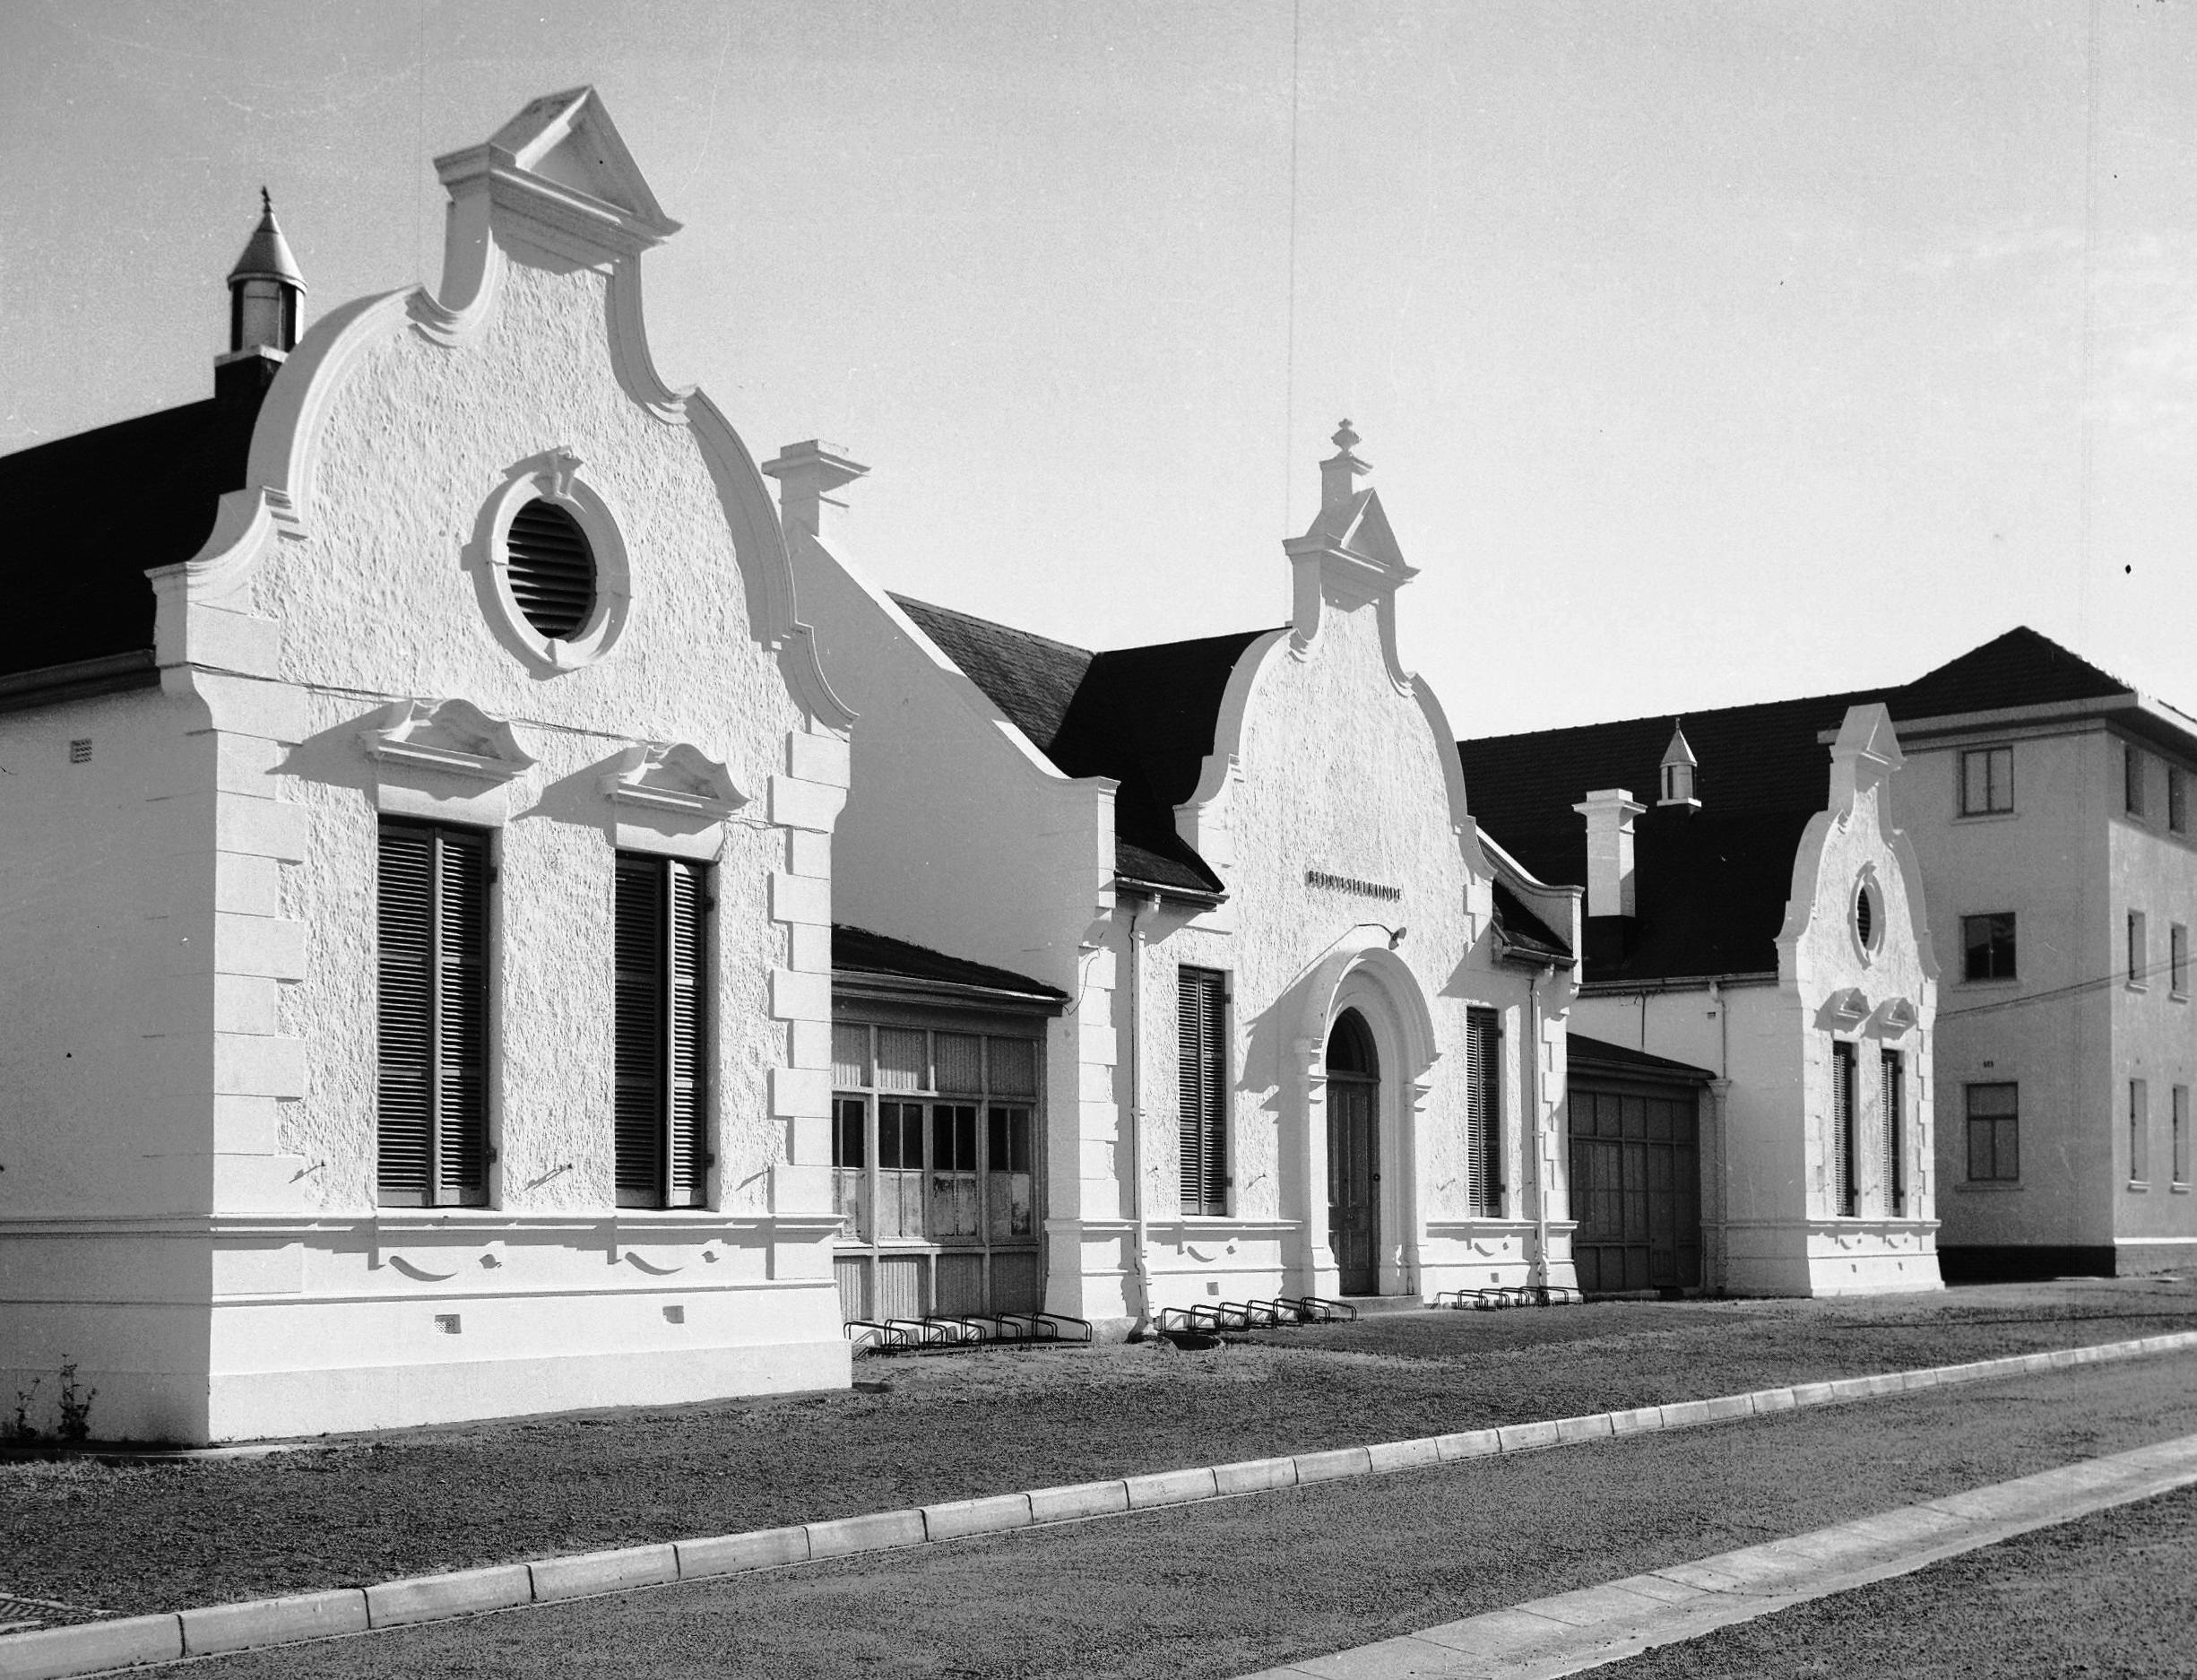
551, 569
1866, 916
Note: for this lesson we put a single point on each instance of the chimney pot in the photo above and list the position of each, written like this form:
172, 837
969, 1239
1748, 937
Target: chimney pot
807, 473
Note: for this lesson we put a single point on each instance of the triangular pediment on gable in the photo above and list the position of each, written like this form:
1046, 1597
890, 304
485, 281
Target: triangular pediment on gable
568, 138
1360, 525
561, 164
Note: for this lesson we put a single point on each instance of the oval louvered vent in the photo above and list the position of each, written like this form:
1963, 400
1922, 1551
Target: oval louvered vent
551, 568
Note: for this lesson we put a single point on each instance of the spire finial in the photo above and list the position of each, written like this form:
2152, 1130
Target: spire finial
1340, 472
267, 204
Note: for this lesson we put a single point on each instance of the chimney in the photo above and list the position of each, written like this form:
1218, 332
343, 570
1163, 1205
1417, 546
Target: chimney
1609, 815
1678, 768
265, 289
807, 474
1865, 752
1340, 472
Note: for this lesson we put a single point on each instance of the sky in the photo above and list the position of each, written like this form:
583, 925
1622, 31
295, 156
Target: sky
1704, 352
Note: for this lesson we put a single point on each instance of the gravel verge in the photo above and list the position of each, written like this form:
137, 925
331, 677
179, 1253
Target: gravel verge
135, 1538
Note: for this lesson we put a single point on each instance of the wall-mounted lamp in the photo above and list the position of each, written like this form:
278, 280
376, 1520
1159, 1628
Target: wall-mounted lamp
1396, 935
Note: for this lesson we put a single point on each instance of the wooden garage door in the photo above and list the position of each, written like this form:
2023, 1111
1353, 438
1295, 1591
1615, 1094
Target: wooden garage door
1635, 1186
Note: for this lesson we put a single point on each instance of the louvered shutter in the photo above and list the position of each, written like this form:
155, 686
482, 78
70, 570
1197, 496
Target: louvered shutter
404, 1109
688, 1122
1895, 1131
432, 924
1483, 1111
461, 1097
639, 1006
1202, 1079
1842, 1127
660, 1119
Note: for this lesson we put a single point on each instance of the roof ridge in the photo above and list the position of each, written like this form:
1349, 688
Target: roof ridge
1692, 714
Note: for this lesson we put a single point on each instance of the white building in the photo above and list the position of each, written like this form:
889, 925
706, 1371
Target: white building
1312, 1026
415, 999
1783, 946
2049, 806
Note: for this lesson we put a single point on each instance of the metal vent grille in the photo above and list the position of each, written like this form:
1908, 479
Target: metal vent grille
551, 568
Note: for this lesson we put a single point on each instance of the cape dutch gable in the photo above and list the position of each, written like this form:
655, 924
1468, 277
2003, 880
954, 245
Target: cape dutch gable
1316, 1034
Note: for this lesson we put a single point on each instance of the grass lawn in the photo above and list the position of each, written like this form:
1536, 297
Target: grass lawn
357, 1509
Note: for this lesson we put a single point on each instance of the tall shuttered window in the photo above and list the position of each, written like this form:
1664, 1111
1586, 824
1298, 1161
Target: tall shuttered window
662, 1119
1846, 1165
1894, 1072
1483, 1111
431, 1106
1202, 1064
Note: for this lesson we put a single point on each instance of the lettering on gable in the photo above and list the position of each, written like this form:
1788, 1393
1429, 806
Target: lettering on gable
1351, 884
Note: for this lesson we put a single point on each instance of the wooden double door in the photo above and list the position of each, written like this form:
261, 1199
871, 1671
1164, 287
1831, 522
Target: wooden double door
1635, 1185
1354, 1156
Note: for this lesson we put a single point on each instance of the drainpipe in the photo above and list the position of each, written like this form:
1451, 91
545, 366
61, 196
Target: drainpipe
1541, 1124
1140, 1228
1720, 1097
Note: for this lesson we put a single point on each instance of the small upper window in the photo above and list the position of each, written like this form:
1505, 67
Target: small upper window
2177, 800
1987, 781
552, 570
2131, 779
1989, 942
1868, 916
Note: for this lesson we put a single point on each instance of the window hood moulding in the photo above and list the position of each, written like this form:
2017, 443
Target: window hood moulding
679, 779
451, 736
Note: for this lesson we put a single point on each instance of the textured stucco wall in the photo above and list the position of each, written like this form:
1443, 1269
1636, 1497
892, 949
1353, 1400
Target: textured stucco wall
1771, 1183
307, 1305
1338, 771
1830, 958
377, 601
107, 908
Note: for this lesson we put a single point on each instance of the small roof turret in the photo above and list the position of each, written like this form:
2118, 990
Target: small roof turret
266, 253
265, 289
1678, 767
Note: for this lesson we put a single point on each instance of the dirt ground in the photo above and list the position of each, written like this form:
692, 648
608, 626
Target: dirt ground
1231, 1587
2107, 1596
144, 1537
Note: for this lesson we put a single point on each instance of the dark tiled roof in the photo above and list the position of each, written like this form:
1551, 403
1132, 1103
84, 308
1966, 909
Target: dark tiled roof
1711, 886
1029, 678
1586, 1053
1144, 716
857, 951
2021, 667
89, 515
1523, 930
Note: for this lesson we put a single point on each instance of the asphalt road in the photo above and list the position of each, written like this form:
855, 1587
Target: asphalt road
1229, 1587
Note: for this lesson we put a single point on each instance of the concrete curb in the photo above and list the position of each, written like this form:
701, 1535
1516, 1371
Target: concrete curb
96, 1647
1583, 1630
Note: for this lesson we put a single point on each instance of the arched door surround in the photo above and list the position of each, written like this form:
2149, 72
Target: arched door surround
1354, 1154
1384, 1062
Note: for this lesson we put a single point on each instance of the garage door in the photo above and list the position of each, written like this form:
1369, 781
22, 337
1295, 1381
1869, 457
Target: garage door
1635, 1186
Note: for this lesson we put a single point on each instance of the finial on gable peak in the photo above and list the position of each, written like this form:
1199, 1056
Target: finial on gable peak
1339, 473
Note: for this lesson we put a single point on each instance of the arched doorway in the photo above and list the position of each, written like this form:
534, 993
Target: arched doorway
1354, 1155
